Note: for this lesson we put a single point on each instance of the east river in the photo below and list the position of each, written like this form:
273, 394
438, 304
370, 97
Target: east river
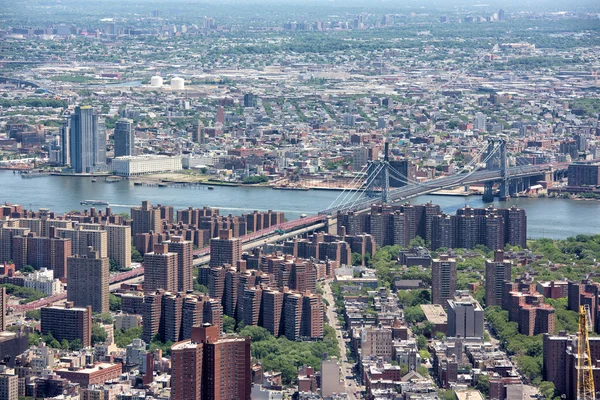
550, 218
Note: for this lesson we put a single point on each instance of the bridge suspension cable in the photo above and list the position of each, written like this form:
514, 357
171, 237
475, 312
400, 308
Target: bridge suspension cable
352, 183
373, 176
366, 185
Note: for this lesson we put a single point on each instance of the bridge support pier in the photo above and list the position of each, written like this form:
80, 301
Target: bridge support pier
488, 192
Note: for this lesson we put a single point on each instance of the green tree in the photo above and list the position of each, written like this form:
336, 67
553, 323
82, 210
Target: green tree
414, 314
114, 302
136, 255
483, 385
200, 288
421, 342
33, 339
357, 259
104, 318
417, 242
548, 389
114, 267
228, 324
76, 344
27, 269
34, 314
99, 334
123, 338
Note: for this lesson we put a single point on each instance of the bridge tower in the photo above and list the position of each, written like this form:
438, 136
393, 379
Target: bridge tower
380, 178
385, 175
504, 188
500, 162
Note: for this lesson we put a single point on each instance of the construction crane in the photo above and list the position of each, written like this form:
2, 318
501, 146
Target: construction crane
585, 375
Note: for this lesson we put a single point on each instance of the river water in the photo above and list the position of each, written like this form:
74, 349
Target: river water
551, 218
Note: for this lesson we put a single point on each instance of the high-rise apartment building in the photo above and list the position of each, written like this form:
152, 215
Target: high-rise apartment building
252, 306
68, 323
480, 122
152, 315
172, 315
7, 233
49, 252
3, 301
560, 362
124, 138
399, 224
230, 292
145, 219
87, 141
88, 281
198, 132
225, 249
186, 370
183, 248
211, 367
272, 303
443, 280
311, 325
497, 271
119, 244
9, 386
292, 315
160, 269
82, 238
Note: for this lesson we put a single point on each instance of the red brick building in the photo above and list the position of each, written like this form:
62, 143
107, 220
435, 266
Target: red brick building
95, 375
210, 367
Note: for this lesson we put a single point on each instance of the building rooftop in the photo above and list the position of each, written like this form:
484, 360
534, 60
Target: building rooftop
90, 370
187, 344
435, 313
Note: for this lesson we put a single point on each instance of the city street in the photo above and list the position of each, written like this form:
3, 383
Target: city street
346, 368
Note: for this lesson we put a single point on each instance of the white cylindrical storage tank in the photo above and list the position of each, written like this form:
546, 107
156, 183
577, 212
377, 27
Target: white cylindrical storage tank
156, 81
177, 83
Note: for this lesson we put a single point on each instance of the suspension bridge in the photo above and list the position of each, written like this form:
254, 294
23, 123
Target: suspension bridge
489, 166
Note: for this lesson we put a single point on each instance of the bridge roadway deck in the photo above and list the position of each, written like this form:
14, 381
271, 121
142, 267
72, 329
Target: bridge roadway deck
267, 239
269, 235
418, 189
114, 279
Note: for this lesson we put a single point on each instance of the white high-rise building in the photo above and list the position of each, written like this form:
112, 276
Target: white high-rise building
480, 122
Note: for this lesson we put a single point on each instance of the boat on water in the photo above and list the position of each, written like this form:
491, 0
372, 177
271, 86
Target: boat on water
93, 203
291, 188
94, 180
112, 179
211, 188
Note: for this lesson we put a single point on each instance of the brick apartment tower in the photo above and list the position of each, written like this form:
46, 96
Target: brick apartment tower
225, 249
160, 269
443, 280
3, 300
119, 244
49, 252
272, 302
88, 281
145, 219
183, 248
212, 368
497, 271
68, 323
312, 316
